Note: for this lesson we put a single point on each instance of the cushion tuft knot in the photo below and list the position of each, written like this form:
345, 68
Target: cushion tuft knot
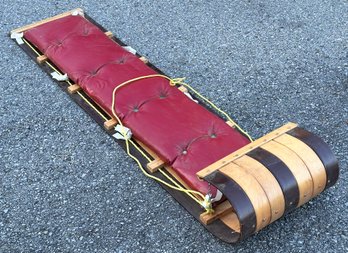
122, 60
59, 43
93, 72
163, 94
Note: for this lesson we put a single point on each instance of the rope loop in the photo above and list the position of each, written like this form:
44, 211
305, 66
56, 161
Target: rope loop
175, 81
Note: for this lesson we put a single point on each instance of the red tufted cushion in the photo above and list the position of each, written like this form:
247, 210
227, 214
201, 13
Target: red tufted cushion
181, 132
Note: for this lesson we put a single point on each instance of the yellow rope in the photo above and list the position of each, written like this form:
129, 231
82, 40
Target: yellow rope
205, 202
140, 151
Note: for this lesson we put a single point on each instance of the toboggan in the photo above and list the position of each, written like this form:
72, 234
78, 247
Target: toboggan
232, 184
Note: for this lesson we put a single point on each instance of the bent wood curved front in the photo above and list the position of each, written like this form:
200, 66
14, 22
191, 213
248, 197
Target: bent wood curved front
271, 176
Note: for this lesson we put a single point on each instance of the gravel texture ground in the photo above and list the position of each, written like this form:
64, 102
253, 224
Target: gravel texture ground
66, 187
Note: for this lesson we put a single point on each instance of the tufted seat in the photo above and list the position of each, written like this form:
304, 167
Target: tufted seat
184, 134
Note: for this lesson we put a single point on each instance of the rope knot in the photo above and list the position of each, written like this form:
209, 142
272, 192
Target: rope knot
207, 204
175, 81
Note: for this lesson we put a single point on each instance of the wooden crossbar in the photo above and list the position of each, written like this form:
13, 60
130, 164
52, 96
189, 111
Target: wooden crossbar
27, 27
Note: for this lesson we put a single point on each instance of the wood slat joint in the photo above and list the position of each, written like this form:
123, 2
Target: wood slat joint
230, 123
144, 59
154, 165
109, 124
169, 169
183, 89
109, 34
74, 88
41, 59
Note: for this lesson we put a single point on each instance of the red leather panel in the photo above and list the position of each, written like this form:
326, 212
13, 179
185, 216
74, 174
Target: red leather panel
181, 132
